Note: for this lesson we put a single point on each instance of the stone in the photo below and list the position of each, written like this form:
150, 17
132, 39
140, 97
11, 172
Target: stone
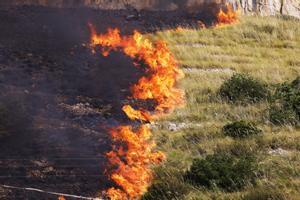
279, 152
269, 7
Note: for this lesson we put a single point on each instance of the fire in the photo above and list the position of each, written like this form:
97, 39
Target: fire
227, 17
136, 114
133, 173
162, 73
132, 160
61, 198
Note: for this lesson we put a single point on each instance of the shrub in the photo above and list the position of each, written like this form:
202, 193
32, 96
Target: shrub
281, 116
285, 103
243, 88
241, 129
222, 170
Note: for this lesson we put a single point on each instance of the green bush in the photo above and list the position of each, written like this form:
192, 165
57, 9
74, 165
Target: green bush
285, 103
281, 116
244, 89
241, 129
223, 170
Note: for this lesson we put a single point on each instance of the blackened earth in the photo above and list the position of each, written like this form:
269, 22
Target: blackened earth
68, 97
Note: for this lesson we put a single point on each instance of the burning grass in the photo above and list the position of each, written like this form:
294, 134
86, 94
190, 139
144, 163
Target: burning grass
133, 160
228, 16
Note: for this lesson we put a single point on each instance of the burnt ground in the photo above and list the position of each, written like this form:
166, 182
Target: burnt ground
67, 96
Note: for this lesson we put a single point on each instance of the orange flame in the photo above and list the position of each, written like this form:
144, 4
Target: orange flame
136, 114
61, 198
227, 17
133, 160
162, 73
133, 173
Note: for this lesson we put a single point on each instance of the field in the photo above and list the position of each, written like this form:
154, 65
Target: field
265, 48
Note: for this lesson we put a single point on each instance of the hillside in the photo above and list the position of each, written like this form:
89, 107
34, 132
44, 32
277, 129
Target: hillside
265, 48
85, 98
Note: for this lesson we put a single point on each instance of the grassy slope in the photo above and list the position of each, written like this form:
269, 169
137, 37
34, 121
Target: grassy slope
267, 48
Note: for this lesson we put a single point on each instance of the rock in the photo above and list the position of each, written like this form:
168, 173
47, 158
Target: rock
269, 7
279, 152
176, 127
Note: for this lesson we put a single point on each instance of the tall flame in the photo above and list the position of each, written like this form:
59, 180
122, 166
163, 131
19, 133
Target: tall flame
162, 72
133, 173
227, 17
133, 160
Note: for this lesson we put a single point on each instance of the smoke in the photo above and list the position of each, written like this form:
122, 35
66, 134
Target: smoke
118, 4
65, 93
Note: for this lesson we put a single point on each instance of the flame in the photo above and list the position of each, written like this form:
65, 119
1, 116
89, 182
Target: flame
133, 173
162, 73
136, 114
61, 198
132, 161
227, 17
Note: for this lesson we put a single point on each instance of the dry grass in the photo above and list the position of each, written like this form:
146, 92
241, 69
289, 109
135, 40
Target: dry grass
266, 48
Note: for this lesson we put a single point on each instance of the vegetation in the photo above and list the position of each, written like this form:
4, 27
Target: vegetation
281, 116
266, 49
243, 88
265, 193
222, 170
241, 129
166, 190
285, 107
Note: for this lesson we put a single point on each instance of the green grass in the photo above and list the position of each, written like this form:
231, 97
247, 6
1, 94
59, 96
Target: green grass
266, 48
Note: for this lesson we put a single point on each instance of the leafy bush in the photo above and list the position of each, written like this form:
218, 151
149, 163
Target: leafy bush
281, 116
241, 129
243, 88
285, 103
223, 170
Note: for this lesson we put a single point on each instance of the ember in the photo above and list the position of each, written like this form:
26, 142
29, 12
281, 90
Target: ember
133, 162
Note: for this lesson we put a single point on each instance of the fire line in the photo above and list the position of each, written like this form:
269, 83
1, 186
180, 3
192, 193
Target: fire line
133, 161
